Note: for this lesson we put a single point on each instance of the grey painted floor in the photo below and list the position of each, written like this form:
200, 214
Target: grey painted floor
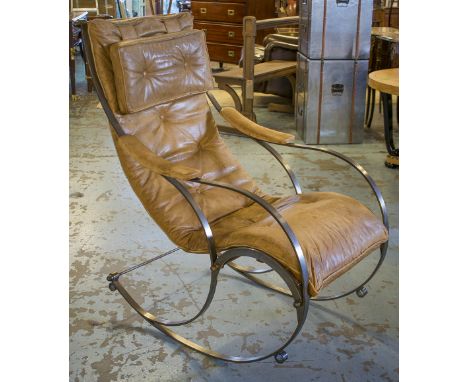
347, 340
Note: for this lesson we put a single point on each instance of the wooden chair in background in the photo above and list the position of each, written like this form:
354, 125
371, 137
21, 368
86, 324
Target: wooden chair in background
252, 73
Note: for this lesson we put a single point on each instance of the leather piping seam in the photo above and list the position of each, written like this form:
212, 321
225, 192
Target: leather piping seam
127, 109
357, 259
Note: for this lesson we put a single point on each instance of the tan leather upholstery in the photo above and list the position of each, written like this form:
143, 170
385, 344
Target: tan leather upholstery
152, 71
252, 129
104, 33
334, 230
133, 148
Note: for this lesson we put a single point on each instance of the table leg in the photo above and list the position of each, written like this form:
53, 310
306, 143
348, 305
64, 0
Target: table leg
393, 157
367, 104
398, 109
371, 107
71, 63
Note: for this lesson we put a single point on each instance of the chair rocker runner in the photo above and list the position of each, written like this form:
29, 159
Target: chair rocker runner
152, 76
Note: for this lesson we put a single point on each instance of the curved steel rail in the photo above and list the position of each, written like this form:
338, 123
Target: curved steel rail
297, 187
114, 278
289, 170
299, 293
301, 308
97, 84
250, 270
359, 168
200, 216
372, 184
282, 223
281, 290
217, 262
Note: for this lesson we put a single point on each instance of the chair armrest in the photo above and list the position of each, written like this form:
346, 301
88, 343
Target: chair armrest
276, 37
275, 45
104, 16
138, 151
360, 169
285, 227
252, 129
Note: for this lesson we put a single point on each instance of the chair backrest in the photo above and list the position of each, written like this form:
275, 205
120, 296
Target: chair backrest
155, 72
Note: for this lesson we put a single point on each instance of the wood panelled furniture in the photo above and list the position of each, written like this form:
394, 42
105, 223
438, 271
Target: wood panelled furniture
251, 73
386, 17
222, 23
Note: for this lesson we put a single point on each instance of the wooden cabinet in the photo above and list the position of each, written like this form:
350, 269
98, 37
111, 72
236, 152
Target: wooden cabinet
385, 17
222, 23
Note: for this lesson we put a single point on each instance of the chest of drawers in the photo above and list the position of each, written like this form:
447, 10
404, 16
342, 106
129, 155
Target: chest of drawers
222, 23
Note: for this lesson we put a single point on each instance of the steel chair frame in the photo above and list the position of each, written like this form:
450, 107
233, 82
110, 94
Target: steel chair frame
298, 289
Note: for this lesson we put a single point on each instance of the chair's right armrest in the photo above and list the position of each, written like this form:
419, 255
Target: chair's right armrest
252, 129
276, 37
132, 146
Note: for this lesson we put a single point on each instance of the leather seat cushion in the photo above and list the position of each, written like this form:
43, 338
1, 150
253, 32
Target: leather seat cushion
335, 232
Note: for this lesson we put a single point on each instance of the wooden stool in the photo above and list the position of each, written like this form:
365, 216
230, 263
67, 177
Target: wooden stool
387, 83
384, 54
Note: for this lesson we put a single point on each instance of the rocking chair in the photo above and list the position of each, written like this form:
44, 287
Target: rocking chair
152, 76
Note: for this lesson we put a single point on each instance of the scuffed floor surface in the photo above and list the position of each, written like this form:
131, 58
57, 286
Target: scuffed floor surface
351, 339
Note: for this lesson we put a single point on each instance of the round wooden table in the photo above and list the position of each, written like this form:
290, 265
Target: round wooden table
384, 54
387, 83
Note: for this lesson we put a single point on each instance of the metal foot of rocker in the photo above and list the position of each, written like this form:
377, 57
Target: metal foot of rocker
164, 325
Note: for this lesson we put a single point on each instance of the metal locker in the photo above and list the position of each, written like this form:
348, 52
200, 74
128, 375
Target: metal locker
330, 100
335, 29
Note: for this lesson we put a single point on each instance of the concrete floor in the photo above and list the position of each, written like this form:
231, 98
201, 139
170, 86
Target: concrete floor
346, 340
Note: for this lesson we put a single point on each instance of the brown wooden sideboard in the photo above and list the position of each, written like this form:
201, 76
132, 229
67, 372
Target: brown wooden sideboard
222, 23
386, 17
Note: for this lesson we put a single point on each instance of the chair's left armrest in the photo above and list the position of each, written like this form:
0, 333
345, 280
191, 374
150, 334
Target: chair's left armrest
138, 151
252, 129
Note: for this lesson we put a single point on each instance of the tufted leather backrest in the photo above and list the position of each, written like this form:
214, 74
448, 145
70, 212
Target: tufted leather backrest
159, 69
170, 115
104, 33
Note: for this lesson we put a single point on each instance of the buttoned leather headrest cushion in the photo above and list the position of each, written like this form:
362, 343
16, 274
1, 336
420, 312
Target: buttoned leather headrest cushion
104, 33
156, 70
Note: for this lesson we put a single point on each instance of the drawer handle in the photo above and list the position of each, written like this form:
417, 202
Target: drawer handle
202, 10
230, 12
230, 53
231, 34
